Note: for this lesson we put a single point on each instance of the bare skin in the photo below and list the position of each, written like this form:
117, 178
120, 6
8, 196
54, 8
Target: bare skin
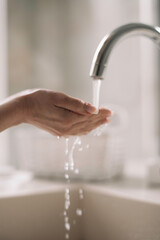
54, 112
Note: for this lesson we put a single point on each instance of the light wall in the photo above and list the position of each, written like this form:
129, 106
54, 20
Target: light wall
3, 75
51, 45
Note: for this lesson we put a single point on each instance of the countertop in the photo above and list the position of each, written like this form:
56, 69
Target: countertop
23, 183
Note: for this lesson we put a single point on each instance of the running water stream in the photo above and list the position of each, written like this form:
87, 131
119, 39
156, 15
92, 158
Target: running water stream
70, 170
96, 92
70, 166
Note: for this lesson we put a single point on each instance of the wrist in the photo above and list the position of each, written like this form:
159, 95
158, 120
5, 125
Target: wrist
10, 114
16, 109
20, 109
26, 105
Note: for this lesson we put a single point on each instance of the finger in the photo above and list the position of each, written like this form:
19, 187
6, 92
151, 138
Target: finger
91, 121
67, 119
73, 104
105, 111
96, 124
86, 130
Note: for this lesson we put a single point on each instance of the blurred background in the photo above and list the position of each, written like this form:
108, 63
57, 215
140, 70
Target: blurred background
51, 43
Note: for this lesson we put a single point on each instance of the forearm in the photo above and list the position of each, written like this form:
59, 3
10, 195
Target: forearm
11, 112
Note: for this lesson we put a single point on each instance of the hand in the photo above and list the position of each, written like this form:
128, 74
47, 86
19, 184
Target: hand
59, 113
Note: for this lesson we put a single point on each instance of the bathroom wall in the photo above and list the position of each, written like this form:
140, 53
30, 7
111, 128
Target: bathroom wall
149, 59
51, 45
3, 75
122, 81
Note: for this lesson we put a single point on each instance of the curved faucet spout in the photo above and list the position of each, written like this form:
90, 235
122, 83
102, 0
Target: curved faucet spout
108, 42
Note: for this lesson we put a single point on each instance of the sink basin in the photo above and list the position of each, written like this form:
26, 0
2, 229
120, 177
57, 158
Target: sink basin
113, 212
114, 217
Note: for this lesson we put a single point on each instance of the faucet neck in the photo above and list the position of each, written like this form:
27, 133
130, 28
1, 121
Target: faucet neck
106, 45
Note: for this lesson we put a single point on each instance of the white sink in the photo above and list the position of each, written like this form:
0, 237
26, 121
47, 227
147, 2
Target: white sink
115, 211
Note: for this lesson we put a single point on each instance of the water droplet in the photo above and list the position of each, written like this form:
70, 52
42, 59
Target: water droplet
69, 165
67, 204
81, 196
66, 166
80, 191
67, 147
66, 176
67, 236
67, 190
79, 212
80, 149
72, 168
71, 160
79, 141
67, 196
76, 171
67, 226
66, 219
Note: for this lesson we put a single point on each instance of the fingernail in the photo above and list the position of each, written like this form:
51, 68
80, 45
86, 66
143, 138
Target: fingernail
91, 109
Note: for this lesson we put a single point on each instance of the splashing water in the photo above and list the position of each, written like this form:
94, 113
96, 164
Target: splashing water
67, 226
69, 167
67, 203
76, 171
71, 160
96, 92
67, 146
79, 212
66, 176
70, 164
81, 195
67, 236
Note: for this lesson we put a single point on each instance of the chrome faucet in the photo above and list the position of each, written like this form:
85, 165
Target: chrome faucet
106, 45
